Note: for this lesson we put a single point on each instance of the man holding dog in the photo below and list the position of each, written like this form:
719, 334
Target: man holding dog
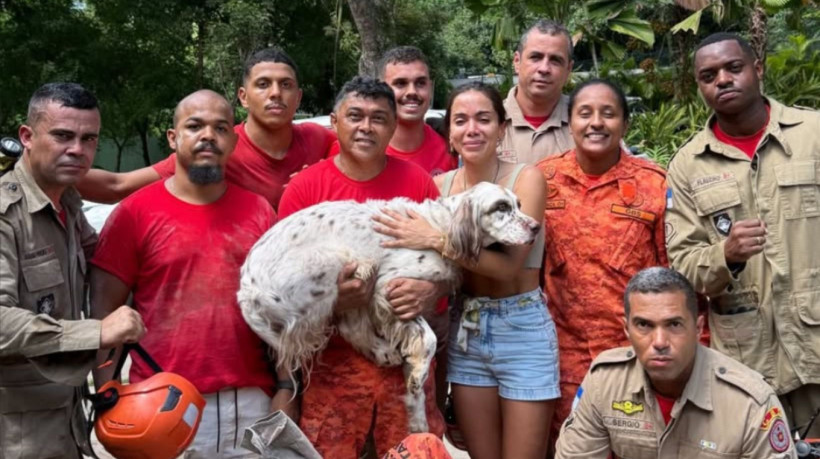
668, 396
742, 224
270, 148
46, 350
349, 396
178, 246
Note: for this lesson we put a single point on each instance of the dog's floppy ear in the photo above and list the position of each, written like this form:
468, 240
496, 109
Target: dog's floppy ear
465, 231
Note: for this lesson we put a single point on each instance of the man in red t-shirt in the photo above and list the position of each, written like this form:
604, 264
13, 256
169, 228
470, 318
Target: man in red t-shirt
349, 396
406, 71
178, 246
270, 147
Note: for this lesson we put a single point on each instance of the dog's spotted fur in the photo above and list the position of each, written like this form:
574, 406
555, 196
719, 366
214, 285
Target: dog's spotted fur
288, 285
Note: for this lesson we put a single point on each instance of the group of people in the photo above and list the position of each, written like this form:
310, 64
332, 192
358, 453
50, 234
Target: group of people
583, 336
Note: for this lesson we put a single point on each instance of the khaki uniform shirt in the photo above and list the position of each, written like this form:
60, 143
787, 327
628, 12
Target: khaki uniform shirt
768, 314
523, 143
725, 411
45, 352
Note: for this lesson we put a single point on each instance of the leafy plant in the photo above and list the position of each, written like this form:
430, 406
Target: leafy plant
660, 133
793, 72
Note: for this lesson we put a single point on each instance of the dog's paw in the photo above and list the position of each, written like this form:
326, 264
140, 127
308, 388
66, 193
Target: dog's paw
366, 269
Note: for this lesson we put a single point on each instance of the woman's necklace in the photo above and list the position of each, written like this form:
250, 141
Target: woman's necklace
464, 175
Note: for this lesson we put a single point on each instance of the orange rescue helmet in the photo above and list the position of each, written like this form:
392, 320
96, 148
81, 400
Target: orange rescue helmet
152, 419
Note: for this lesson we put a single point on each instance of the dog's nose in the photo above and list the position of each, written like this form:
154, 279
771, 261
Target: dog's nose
535, 227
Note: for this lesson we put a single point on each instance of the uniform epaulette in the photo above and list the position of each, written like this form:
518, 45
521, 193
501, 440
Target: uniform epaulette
648, 164
612, 356
741, 377
682, 146
10, 192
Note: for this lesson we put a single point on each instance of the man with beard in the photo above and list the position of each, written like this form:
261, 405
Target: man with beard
269, 149
178, 246
46, 350
743, 216
537, 111
668, 396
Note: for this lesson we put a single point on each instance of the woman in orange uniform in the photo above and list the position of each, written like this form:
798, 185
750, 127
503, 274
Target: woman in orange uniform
604, 219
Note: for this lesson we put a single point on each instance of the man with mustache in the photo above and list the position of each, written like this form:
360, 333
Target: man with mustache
743, 216
537, 117
178, 246
46, 350
270, 148
668, 396
349, 398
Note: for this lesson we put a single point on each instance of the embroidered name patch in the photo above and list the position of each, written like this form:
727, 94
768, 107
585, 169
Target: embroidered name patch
556, 203
635, 426
633, 213
705, 181
627, 406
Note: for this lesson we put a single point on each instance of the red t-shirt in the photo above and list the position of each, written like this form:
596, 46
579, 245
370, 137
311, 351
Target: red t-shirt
665, 404
253, 169
432, 155
746, 144
182, 264
325, 182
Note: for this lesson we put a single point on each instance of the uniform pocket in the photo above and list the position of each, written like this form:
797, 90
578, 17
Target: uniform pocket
737, 335
43, 275
716, 198
808, 307
628, 257
799, 189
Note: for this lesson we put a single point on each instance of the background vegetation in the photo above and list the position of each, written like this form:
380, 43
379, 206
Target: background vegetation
141, 56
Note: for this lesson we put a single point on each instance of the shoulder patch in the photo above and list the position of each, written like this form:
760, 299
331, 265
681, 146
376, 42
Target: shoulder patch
10, 192
612, 356
743, 379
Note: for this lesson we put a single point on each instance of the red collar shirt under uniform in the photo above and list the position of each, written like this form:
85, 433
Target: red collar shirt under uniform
253, 169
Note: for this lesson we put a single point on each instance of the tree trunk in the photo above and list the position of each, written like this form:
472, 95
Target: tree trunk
758, 35
142, 129
374, 23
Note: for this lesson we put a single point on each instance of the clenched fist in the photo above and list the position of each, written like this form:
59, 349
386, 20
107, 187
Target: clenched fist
746, 238
124, 325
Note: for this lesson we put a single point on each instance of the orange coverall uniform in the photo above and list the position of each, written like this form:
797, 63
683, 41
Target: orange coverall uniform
599, 233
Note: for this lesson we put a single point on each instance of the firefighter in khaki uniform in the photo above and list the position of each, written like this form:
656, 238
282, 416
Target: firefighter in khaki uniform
667, 396
743, 222
45, 351
537, 114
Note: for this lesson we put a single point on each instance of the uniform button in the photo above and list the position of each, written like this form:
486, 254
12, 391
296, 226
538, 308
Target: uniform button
722, 370
630, 354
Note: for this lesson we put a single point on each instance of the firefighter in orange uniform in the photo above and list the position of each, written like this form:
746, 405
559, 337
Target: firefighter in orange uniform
604, 221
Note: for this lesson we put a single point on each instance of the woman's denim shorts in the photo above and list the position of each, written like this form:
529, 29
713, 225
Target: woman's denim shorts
510, 344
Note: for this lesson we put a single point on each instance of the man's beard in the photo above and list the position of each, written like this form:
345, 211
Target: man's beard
205, 174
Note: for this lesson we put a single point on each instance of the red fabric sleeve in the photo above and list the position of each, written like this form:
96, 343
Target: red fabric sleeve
331, 146
293, 199
166, 167
117, 250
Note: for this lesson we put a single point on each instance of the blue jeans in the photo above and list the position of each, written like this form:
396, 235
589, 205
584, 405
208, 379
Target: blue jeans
509, 343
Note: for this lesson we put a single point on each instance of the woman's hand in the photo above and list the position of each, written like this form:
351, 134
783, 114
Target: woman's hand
410, 232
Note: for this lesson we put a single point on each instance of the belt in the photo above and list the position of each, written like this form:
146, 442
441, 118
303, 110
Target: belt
471, 314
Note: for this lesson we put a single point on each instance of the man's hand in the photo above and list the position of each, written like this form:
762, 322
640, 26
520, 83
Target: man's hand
284, 400
124, 325
353, 292
745, 239
411, 297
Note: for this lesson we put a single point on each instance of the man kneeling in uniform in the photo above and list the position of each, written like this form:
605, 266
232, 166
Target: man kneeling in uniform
668, 396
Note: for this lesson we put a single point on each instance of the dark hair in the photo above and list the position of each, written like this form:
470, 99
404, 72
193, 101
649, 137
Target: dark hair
726, 36
368, 88
549, 27
661, 280
70, 95
490, 92
401, 55
275, 55
619, 94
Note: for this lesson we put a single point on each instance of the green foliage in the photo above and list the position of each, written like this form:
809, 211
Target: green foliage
660, 133
793, 72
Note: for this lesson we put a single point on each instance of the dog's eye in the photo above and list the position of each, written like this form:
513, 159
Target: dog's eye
502, 207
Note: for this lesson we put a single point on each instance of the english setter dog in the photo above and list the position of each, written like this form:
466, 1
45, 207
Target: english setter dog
288, 282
